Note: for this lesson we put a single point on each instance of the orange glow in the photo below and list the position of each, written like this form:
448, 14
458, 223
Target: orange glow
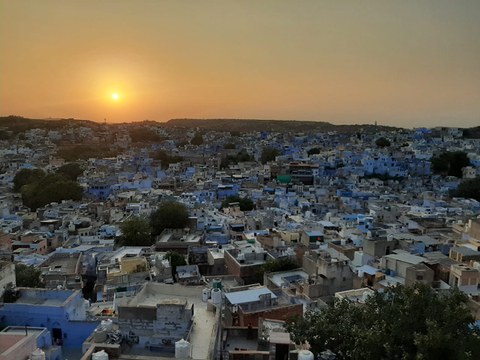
402, 64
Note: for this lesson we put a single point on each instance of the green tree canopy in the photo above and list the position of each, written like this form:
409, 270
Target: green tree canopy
25, 177
71, 171
197, 139
401, 323
143, 135
84, 152
166, 158
268, 154
280, 264
382, 142
175, 259
136, 231
5, 135
450, 163
468, 189
169, 215
229, 146
241, 156
246, 204
28, 276
50, 188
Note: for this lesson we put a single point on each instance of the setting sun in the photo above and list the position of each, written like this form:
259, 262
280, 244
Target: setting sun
115, 96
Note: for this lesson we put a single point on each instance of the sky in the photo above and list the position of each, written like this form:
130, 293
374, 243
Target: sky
404, 63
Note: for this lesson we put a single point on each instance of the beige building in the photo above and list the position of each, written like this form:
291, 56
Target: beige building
465, 278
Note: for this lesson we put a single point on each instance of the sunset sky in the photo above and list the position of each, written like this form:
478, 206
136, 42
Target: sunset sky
403, 63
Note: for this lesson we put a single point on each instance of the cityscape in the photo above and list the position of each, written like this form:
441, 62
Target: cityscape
255, 180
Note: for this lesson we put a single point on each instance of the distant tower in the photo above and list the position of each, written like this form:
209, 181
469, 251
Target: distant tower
375, 123
105, 121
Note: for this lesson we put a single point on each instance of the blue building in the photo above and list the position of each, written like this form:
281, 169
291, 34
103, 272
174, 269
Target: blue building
62, 312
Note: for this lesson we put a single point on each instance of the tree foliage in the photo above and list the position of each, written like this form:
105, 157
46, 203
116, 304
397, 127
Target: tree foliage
175, 260
71, 171
50, 188
28, 276
229, 146
25, 177
246, 204
85, 152
313, 151
4, 135
165, 158
268, 154
450, 163
197, 139
280, 264
241, 156
136, 231
468, 189
169, 215
143, 135
401, 323
382, 142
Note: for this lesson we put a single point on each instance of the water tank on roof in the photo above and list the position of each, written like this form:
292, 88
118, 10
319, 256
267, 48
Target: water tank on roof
100, 355
205, 294
216, 296
305, 355
37, 354
182, 349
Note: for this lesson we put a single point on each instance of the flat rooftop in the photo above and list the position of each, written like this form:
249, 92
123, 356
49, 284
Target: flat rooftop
46, 297
121, 253
248, 296
290, 277
63, 264
203, 334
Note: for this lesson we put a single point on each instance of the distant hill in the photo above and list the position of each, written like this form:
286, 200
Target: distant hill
245, 125
19, 124
472, 133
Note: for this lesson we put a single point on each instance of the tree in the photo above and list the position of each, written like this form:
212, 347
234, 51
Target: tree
197, 139
241, 156
50, 188
136, 231
313, 151
71, 171
382, 142
280, 264
143, 135
25, 177
468, 189
4, 135
175, 260
28, 276
85, 151
268, 154
246, 204
169, 215
401, 323
165, 158
450, 163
